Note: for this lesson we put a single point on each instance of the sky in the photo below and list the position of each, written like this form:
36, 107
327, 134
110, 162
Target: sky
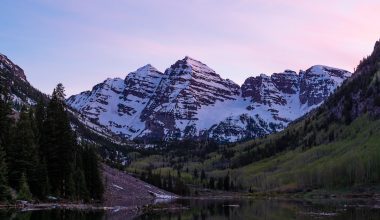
82, 42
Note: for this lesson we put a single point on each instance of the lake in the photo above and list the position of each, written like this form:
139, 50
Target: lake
200, 209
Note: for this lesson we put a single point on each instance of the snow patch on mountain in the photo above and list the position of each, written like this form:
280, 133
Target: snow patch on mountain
191, 100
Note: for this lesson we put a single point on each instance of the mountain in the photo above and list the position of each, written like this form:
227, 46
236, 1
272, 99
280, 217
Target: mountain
335, 146
13, 77
190, 100
176, 104
332, 150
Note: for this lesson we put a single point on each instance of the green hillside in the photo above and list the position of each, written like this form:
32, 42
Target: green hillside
336, 146
353, 160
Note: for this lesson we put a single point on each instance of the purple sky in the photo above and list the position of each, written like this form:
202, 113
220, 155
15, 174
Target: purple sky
81, 43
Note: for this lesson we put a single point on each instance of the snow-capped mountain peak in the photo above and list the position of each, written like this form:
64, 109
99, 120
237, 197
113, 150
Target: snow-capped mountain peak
191, 67
191, 100
318, 82
147, 70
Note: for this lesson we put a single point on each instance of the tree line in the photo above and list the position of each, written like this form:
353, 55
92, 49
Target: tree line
40, 156
166, 182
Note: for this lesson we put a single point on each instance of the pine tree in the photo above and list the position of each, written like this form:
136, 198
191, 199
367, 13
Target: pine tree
42, 172
92, 173
170, 183
4, 189
220, 183
178, 173
40, 115
211, 183
43, 180
195, 173
58, 145
232, 186
33, 124
227, 182
24, 192
6, 120
60, 93
81, 191
203, 175
23, 156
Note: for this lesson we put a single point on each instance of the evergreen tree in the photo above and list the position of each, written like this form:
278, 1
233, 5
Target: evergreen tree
58, 145
42, 172
211, 183
347, 107
23, 157
220, 183
24, 192
227, 182
40, 115
170, 183
81, 191
43, 180
195, 173
92, 172
4, 189
232, 186
6, 120
203, 175
33, 125
60, 93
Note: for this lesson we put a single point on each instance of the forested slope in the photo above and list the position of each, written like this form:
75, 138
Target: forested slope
336, 146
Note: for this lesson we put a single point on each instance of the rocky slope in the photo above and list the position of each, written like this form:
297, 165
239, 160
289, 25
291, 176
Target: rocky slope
124, 190
12, 77
190, 100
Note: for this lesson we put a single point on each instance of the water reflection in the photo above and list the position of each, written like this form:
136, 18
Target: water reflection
52, 214
269, 210
223, 210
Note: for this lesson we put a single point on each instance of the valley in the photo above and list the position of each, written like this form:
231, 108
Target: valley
333, 147
202, 110
290, 136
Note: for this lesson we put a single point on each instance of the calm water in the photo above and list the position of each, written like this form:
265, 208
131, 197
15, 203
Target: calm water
231, 209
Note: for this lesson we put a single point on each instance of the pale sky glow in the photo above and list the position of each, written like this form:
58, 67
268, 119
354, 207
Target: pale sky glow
82, 42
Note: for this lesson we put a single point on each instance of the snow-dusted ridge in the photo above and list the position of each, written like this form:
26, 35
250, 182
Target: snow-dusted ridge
190, 100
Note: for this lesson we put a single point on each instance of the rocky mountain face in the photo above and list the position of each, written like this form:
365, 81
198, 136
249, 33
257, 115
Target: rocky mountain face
190, 100
6, 63
12, 77
188, 88
116, 105
360, 94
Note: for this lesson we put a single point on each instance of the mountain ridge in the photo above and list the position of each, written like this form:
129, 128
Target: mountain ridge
13, 78
175, 104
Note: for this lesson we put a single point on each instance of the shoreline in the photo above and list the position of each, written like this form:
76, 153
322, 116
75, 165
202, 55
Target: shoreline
104, 207
170, 204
